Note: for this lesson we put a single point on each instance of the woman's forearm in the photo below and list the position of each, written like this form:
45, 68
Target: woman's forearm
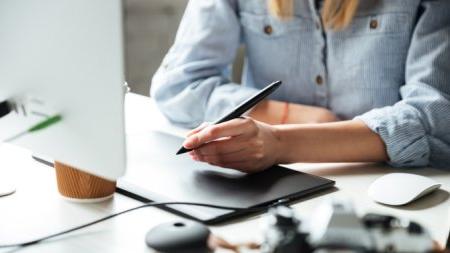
275, 112
345, 141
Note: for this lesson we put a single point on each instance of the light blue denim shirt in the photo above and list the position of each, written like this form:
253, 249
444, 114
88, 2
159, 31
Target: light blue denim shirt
390, 68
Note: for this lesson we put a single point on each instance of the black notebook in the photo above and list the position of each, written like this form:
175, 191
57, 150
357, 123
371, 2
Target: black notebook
155, 173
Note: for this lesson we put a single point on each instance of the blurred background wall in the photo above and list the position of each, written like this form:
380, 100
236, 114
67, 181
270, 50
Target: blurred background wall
150, 27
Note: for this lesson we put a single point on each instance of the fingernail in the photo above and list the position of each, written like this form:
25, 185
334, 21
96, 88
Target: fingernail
187, 143
190, 142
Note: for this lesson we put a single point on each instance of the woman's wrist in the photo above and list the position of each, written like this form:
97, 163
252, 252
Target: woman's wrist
285, 114
282, 146
284, 149
348, 141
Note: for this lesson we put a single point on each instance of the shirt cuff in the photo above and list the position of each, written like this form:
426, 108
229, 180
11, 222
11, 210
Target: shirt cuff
404, 135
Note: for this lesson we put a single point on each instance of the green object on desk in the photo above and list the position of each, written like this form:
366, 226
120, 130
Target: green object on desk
39, 126
46, 123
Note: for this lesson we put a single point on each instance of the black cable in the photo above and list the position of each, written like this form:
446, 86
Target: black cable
151, 204
5, 108
359, 249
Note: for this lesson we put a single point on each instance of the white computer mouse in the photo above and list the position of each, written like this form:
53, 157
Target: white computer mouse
398, 189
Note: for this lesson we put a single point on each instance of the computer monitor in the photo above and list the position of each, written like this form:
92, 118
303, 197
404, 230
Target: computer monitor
66, 57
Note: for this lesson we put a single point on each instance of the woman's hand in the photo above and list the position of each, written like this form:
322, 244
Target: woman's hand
242, 144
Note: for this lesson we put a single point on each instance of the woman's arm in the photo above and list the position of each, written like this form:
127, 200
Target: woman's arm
346, 141
416, 129
192, 84
276, 112
249, 146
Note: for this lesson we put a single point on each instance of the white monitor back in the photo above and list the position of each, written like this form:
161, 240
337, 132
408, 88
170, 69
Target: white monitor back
68, 54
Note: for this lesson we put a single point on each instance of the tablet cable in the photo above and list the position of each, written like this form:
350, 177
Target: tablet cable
150, 204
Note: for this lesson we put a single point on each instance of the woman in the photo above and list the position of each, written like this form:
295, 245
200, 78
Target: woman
365, 81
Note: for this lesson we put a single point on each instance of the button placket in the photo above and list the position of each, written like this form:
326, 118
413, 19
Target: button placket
268, 29
319, 80
319, 74
373, 24
318, 61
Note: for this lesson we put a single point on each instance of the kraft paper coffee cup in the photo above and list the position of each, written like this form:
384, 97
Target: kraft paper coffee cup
80, 186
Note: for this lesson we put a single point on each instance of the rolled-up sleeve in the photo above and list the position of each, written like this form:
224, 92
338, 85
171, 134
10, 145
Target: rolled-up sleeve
193, 83
416, 130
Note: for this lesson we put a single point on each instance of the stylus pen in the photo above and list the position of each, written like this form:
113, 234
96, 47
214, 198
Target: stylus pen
243, 107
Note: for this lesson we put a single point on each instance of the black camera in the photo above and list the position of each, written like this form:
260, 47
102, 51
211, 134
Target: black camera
335, 227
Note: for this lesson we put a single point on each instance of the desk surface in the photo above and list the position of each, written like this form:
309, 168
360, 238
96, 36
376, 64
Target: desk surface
36, 209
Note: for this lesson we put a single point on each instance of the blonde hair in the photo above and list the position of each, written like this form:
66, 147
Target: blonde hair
336, 14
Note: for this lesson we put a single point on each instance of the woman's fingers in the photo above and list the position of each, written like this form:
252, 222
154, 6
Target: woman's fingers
198, 129
238, 156
252, 155
245, 166
230, 128
241, 144
223, 146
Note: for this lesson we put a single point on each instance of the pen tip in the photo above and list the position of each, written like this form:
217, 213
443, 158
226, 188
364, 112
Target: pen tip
181, 151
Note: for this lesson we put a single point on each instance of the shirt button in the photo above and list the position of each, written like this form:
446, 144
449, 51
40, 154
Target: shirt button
268, 29
373, 24
319, 80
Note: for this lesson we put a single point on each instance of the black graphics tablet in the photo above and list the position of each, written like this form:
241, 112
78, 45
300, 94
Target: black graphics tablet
155, 173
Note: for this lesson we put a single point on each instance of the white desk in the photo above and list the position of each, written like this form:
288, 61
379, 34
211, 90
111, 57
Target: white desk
36, 209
